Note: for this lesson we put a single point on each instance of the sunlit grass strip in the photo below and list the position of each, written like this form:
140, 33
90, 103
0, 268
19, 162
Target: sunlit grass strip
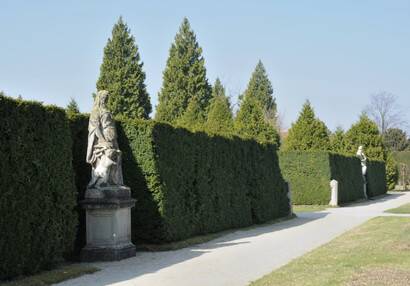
379, 248
308, 208
50, 277
404, 209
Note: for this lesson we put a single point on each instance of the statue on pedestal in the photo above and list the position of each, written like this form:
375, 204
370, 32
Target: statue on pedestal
362, 158
107, 201
102, 150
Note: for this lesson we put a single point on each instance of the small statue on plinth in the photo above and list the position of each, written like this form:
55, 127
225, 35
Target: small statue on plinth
107, 200
363, 158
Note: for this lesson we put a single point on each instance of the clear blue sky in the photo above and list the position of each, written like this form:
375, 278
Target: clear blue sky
334, 53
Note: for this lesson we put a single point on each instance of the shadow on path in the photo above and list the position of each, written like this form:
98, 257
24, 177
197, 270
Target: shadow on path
146, 263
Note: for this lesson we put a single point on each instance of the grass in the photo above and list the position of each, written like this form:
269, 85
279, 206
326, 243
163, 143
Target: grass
309, 208
61, 273
375, 253
404, 209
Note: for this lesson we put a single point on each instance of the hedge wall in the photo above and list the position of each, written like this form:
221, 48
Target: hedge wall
376, 178
310, 174
190, 183
347, 171
37, 191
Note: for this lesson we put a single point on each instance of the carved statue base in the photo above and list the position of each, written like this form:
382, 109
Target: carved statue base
108, 224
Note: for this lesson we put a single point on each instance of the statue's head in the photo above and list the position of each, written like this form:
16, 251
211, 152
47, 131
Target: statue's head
101, 98
360, 150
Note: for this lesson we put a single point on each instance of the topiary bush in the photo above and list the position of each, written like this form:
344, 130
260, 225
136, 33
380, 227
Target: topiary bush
37, 191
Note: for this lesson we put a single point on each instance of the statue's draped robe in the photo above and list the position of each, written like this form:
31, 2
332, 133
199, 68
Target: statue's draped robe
102, 136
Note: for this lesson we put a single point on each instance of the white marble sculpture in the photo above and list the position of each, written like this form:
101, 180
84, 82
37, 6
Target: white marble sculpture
102, 150
362, 159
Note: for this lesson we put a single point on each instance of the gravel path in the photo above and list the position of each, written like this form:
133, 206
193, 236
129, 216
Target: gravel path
240, 257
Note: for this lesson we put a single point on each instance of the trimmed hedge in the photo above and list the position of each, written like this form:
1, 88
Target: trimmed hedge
37, 191
191, 183
310, 174
376, 178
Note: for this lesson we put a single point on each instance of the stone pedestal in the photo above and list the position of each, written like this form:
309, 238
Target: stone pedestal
108, 224
334, 197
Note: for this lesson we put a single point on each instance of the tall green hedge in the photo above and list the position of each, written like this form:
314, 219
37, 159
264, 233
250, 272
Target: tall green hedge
376, 178
346, 170
191, 183
310, 174
37, 192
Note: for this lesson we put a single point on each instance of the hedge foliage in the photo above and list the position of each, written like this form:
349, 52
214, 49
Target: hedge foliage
376, 178
37, 191
310, 174
191, 183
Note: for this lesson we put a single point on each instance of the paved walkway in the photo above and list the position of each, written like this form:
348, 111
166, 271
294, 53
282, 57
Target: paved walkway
242, 256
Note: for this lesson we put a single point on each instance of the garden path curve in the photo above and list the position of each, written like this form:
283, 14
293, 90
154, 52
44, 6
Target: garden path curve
242, 256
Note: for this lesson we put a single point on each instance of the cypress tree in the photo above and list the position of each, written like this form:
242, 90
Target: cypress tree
122, 76
220, 113
366, 133
260, 88
308, 132
337, 140
249, 122
72, 106
184, 78
193, 117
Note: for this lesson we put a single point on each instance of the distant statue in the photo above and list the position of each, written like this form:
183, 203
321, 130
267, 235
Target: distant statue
102, 151
362, 160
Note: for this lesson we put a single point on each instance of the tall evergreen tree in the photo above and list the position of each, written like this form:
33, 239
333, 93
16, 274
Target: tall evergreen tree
260, 88
337, 140
184, 78
220, 113
396, 139
122, 76
308, 132
72, 106
365, 133
249, 122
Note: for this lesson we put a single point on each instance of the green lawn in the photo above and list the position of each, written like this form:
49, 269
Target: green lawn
50, 277
308, 208
404, 209
375, 253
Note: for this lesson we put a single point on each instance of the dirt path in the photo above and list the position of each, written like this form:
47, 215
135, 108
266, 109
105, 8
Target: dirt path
242, 256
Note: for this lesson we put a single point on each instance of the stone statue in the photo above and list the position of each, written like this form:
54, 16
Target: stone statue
362, 160
102, 150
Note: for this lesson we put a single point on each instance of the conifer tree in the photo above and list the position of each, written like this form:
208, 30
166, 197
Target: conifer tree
308, 132
337, 140
249, 122
122, 76
184, 78
365, 133
193, 117
220, 113
260, 88
72, 107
